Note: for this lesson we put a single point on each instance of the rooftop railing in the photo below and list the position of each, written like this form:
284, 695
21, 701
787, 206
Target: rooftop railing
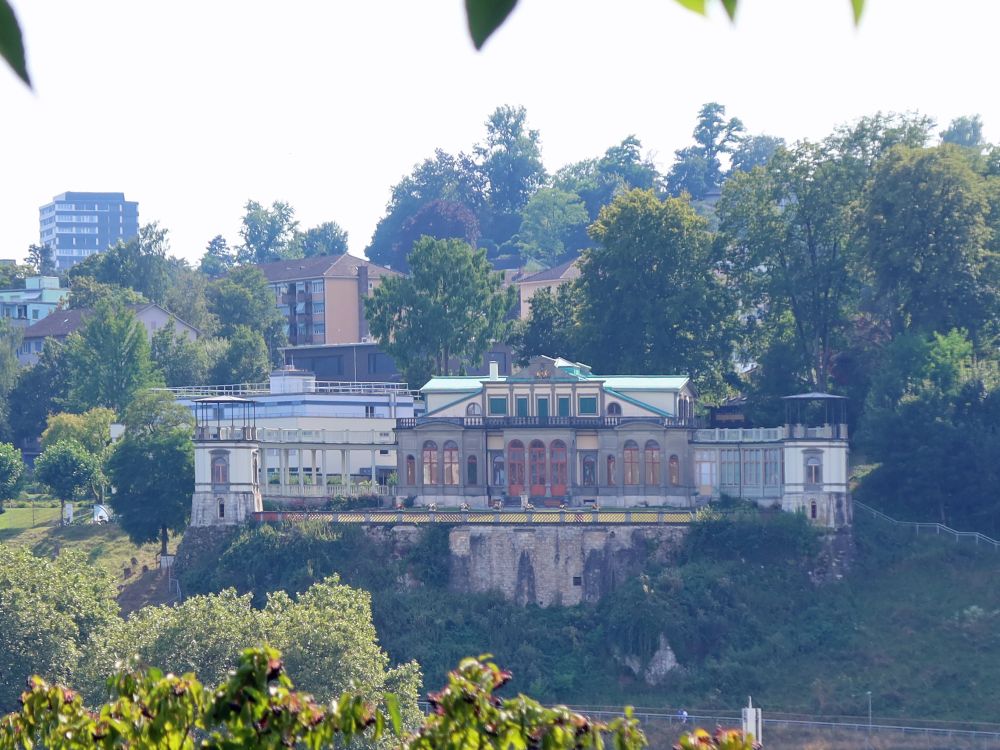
510, 422
263, 389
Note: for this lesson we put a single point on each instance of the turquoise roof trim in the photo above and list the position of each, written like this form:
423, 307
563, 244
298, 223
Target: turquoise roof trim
458, 383
637, 402
644, 382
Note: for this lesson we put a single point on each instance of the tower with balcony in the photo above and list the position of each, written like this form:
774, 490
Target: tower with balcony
227, 461
816, 459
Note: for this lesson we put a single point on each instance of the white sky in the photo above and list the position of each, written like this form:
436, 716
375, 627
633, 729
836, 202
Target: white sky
193, 107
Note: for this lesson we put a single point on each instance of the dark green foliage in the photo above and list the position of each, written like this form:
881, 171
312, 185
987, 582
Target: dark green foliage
40, 390
329, 238
243, 298
268, 234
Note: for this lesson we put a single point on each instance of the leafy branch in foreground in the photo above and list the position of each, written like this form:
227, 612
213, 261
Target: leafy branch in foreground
259, 707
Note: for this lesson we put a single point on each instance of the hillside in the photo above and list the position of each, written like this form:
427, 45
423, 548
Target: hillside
914, 620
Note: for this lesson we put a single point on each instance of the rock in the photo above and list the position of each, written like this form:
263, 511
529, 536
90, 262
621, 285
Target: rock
661, 664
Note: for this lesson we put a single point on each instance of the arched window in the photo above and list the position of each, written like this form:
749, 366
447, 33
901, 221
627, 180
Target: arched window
473, 410
614, 409
451, 462
220, 470
652, 463
557, 459
611, 470
589, 471
430, 462
536, 466
472, 470
411, 470
499, 475
814, 470
812, 510
631, 463
674, 468
515, 467
222, 508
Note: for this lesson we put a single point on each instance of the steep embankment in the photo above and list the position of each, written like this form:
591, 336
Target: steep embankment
914, 621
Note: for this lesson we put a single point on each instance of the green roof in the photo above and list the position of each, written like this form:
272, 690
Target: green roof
457, 383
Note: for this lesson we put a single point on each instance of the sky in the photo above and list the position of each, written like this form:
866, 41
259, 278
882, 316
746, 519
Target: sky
192, 108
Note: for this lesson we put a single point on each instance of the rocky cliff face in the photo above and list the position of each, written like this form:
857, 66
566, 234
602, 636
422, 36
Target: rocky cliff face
553, 566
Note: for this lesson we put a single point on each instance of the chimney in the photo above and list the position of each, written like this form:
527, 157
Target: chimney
494, 370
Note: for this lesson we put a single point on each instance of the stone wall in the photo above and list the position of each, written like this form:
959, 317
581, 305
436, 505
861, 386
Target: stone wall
554, 566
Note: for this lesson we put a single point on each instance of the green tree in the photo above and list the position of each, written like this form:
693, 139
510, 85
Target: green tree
329, 238
42, 259
139, 263
927, 242
152, 470
10, 342
243, 298
39, 390
439, 219
11, 469
154, 411
181, 360
965, 131
267, 233
218, 258
451, 308
550, 220
108, 359
650, 297
697, 170
244, 358
510, 161
69, 471
86, 293
52, 608
92, 429
753, 151
552, 327
443, 177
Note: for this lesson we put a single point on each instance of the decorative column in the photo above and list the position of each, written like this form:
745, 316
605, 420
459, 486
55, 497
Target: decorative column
374, 470
345, 467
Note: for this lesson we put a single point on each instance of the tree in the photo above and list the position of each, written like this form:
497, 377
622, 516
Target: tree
267, 233
927, 241
243, 298
753, 151
551, 220
439, 219
42, 259
965, 131
10, 342
152, 470
153, 411
181, 360
443, 177
139, 263
257, 706
11, 469
451, 308
108, 359
92, 429
69, 471
86, 293
326, 239
654, 268
698, 170
39, 390
510, 161
52, 608
244, 359
552, 327
218, 258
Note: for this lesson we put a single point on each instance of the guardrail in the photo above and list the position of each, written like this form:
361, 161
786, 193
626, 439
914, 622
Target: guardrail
571, 517
405, 423
264, 389
936, 528
321, 491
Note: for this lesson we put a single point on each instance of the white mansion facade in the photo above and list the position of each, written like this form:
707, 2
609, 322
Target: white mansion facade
555, 433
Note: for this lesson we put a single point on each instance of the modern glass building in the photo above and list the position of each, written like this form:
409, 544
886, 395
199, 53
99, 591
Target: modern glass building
77, 225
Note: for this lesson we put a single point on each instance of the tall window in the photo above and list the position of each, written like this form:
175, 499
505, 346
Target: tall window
220, 470
562, 406
631, 463
674, 469
730, 460
451, 462
411, 471
611, 471
521, 406
589, 470
812, 510
472, 470
499, 474
558, 467
772, 467
222, 508
706, 471
652, 463
751, 467
614, 409
536, 456
430, 463
515, 466
814, 470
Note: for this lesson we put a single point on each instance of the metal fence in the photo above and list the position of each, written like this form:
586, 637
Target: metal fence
582, 517
931, 528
